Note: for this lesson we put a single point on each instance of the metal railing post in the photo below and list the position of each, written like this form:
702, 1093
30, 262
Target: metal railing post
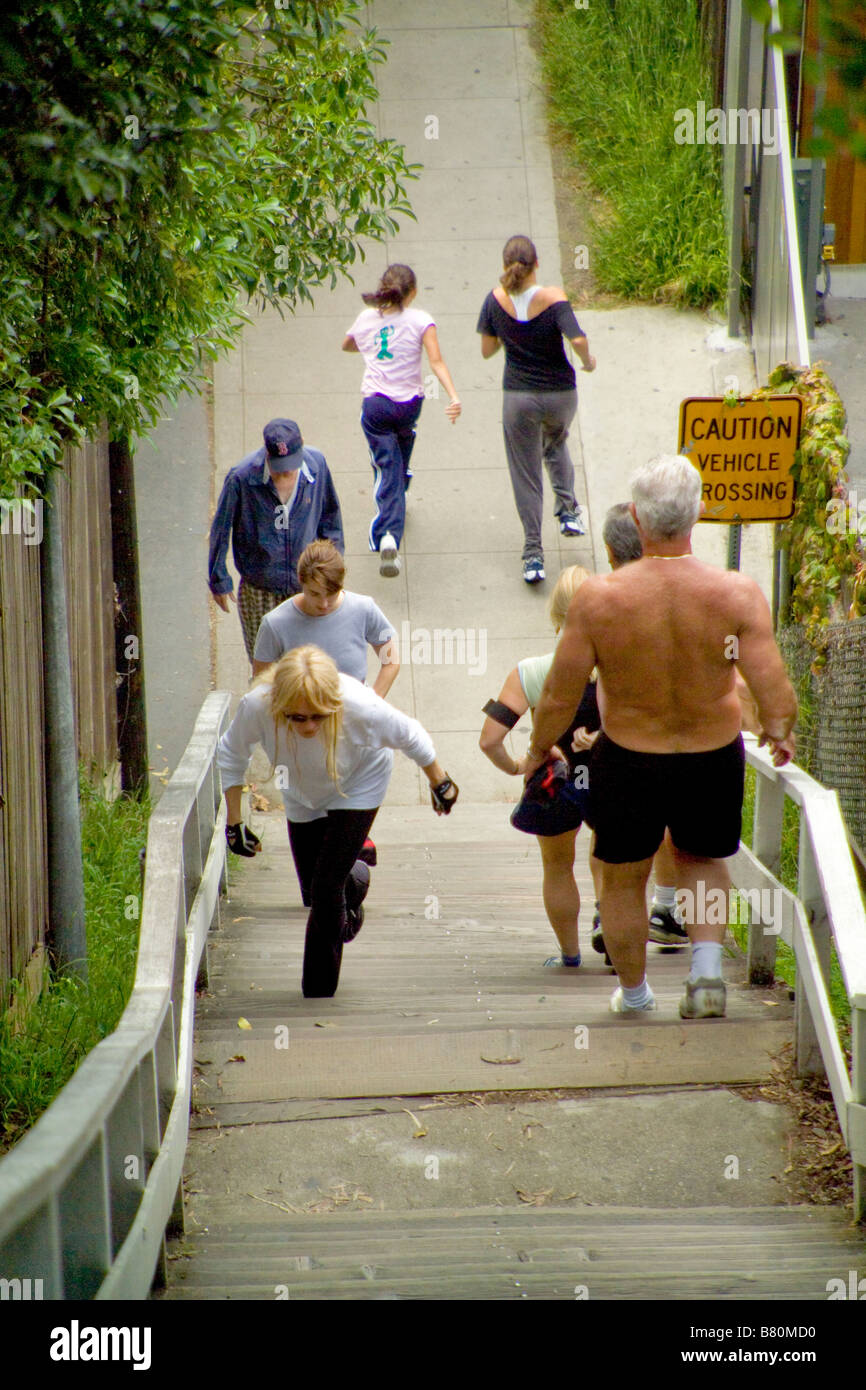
807, 1050
857, 1110
766, 846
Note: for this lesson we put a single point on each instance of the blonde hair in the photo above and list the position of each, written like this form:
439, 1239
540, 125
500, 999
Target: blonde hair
564, 591
308, 674
322, 563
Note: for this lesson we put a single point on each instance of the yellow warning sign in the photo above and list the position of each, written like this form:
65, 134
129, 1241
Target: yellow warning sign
744, 454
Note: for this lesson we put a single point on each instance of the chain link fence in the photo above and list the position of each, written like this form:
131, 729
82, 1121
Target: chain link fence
831, 732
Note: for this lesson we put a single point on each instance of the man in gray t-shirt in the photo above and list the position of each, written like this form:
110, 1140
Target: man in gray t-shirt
344, 632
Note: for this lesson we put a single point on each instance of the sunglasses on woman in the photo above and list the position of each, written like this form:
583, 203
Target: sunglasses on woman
303, 718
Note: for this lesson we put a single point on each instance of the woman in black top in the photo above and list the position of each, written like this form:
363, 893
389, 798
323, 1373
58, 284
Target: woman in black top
539, 392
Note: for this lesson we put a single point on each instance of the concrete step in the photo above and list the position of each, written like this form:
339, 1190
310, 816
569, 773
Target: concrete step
763, 1253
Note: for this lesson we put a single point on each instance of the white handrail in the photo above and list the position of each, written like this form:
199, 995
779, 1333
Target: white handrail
86, 1196
829, 902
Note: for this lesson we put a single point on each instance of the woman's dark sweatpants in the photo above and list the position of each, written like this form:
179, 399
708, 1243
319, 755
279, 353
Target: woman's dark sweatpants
325, 851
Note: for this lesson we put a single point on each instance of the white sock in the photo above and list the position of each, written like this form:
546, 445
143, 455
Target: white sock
664, 897
706, 961
639, 996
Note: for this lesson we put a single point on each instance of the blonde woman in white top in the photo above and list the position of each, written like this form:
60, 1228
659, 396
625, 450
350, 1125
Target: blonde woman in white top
329, 739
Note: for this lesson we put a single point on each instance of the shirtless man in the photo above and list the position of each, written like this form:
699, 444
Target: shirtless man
665, 633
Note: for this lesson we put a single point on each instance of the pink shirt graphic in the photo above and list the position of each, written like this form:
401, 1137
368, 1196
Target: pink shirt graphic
391, 347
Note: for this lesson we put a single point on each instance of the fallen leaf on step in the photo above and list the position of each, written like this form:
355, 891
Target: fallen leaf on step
420, 1130
534, 1199
244, 1023
324, 1025
238, 1057
243, 919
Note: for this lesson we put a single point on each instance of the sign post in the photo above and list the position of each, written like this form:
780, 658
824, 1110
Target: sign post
745, 454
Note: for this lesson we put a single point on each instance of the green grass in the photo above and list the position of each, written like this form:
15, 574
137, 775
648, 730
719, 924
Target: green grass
785, 963
616, 74
42, 1044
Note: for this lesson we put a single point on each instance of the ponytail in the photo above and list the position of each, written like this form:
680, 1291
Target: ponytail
519, 258
394, 286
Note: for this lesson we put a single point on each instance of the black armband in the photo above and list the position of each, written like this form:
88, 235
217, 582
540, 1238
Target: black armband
501, 713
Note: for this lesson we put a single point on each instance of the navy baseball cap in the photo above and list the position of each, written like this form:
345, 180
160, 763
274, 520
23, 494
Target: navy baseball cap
283, 445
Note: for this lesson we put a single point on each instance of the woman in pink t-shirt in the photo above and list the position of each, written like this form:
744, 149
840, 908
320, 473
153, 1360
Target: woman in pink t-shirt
390, 335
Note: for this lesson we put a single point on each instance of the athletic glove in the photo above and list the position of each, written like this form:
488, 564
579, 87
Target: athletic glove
444, 796
241, 840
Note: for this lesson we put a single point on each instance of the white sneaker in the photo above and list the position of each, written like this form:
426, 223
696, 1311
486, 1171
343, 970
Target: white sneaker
704, 999
389, 560
619, 1006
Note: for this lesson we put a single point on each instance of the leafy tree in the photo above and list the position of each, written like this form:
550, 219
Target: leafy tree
158, 162
841, 28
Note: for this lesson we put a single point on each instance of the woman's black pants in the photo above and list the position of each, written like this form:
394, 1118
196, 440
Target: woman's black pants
325, 851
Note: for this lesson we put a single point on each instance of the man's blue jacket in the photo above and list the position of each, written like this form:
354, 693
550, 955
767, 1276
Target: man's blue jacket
266, 542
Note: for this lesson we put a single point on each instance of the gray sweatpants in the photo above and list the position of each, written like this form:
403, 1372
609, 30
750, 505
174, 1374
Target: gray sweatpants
535, 425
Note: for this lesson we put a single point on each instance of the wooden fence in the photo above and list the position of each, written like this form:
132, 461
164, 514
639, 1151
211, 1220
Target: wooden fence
83, 499
86, 516
23, 897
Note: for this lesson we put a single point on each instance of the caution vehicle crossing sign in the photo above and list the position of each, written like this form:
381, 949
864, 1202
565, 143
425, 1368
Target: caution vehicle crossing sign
744, 454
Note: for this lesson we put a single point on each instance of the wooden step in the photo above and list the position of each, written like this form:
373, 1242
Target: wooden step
778, 1253
458, 1001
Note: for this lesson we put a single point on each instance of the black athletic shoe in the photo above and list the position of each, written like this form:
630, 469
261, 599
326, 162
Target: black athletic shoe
665, 930
354, 923
368, 853
356, 891
598, 939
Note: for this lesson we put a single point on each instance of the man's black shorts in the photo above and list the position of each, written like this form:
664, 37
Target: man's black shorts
633, 796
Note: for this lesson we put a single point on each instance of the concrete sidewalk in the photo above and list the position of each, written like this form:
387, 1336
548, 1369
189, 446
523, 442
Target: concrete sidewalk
841, 346
466, 74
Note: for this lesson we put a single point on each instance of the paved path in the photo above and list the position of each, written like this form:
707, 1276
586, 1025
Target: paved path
841, 346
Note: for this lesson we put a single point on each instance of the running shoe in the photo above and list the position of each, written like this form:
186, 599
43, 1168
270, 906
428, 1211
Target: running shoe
572, 961
354, 923
357, 888
368, 853
571, 523
533, 569
704, 999
619, 1006
598, 939
389, 560
665, 930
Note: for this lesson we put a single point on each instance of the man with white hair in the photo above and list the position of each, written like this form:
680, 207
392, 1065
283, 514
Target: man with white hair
666, 633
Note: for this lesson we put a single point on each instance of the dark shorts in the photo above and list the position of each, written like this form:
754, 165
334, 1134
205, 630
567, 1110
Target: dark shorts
633, 796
